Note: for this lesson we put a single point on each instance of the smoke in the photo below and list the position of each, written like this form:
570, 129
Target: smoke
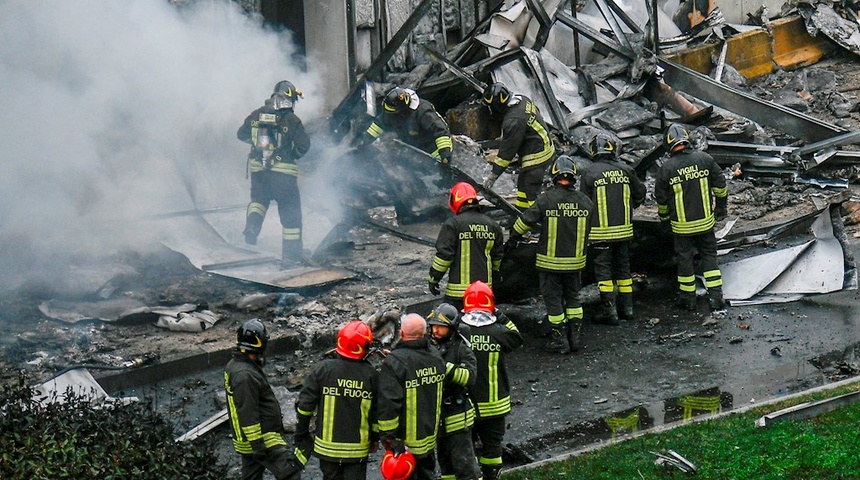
116, 111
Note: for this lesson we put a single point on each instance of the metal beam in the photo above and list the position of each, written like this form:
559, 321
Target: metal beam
762, 111
613, 23
543, 20
594, 35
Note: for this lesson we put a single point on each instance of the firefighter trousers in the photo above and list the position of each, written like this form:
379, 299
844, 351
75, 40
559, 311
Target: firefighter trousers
283, 188
612, 267
343, 471
279, 460
529, 183
457, 456
490, 431
560, 292
685, 248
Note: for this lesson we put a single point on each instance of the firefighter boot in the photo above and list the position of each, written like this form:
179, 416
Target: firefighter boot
491, 472
715, 299
559, 342
574, 334
291, 251
625, 306
687, 301
607, 312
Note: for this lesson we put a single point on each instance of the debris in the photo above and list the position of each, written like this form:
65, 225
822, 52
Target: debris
188, 322
734, 340
776, 352
808, 409
674, 459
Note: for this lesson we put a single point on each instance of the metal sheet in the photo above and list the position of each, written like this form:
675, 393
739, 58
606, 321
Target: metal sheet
762, 111
739, 282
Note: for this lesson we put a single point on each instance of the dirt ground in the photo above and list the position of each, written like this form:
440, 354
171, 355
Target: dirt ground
742, 355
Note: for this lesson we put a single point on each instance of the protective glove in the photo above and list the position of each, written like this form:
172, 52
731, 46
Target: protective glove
490, 180
720, 213
445, 156
304, 442
433, 287
395, 445
259, 450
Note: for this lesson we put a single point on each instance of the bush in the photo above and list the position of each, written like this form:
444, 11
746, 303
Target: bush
74, 439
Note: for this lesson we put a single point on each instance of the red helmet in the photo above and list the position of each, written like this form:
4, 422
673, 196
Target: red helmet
461, 193
354, 339
397, 466
478, 296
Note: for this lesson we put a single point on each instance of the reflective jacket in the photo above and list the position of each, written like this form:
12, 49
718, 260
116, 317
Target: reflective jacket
290, 141
461, 369
410, 395
616, 191
491, 344
564, 215
342, 392
524, 134
686, 186
471, 246
423, 128
253, 409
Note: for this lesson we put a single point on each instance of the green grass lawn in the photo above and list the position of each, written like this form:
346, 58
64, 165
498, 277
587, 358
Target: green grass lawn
729, 447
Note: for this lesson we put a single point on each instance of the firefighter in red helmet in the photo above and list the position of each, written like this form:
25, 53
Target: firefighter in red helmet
469, 246
341, 390
493, 336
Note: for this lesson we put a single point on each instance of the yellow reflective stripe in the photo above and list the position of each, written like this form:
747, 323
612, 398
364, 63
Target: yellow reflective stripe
329, 403
460, 376
411, 404
286, 167
490, 460
502, 162
422, 446
306, 413
456, 289
663, 209
523, 203
628, 212
441, 265
444, 142
521, 227
581, 228
625, 285
388, 425
552, 236
493, 376
291, 233
271, 439
611, 233
698, 226
459, 421
341, 449
490, 264
720, 192
257, 208
253, 432
300, 456
706, 196
602, 207
465, 261
548, 147
606, 286
495, 408
374, 130
556, 263
574, 313
713, 278
511, 326
679, 202
556, 319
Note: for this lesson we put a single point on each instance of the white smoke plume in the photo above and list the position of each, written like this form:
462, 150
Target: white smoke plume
115, 111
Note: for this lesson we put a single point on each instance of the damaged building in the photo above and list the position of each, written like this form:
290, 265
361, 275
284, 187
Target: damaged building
767, 90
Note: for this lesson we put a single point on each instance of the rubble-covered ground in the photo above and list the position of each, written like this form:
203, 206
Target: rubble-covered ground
745, 354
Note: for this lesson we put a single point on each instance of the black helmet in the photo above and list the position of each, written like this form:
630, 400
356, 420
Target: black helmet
252, 337
444, 314
496, 96
563, 168
280, 101
287, 88
397, 100
602, 146
676, 135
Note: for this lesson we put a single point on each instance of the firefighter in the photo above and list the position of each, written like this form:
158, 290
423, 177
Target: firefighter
493, 336
615, 191
341, 390
415, 121
525, 136
277, 138
564, 215
469, 246
691, 196
254, 411
410, 396
455, 448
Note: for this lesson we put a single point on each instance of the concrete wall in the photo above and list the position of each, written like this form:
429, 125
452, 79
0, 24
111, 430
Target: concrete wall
327, 44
